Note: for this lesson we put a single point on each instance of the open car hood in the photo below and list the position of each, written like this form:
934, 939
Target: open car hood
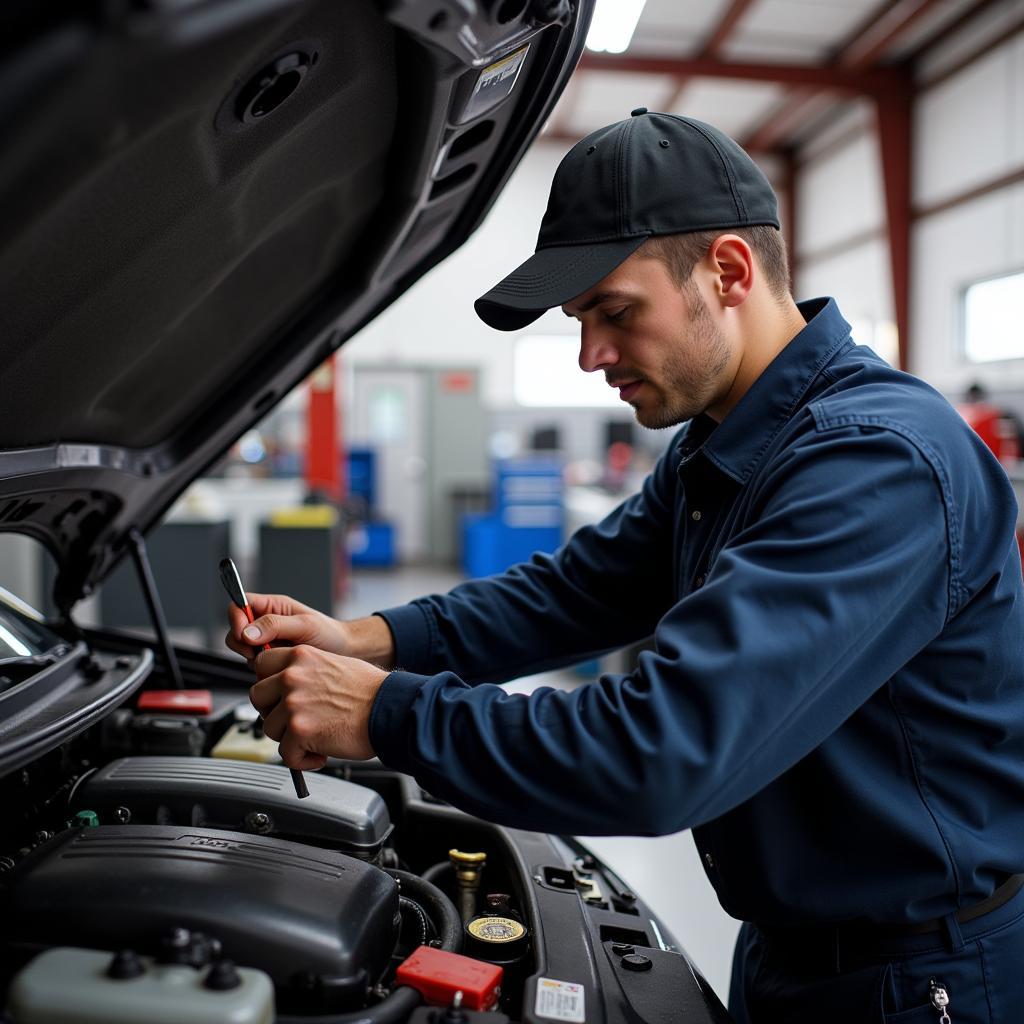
204, 198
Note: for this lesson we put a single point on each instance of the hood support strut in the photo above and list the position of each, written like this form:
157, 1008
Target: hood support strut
156, 611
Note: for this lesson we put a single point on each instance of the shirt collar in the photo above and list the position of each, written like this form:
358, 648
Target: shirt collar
737, 443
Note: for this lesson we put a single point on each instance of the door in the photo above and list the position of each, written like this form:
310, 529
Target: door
389, 411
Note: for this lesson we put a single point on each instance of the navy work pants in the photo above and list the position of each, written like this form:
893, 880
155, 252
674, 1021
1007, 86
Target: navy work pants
808, 979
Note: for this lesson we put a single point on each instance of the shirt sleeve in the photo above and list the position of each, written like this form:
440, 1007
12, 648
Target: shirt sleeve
606, 588
841, 576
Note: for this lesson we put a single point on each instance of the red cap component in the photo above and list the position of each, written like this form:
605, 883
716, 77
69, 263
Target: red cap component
437, 975
186, 702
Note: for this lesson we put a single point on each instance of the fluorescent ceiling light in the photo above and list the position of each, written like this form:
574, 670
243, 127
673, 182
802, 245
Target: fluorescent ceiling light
614, 24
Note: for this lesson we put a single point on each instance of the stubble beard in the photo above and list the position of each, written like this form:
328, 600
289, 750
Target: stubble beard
689, 373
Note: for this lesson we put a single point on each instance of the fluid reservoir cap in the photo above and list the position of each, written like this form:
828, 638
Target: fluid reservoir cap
222, 976
636, 962
126, 964
87, 819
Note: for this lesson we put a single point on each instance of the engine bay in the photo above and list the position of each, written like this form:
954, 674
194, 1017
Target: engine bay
159, 866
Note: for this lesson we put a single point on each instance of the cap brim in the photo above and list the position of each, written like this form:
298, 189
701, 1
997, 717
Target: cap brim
549, 278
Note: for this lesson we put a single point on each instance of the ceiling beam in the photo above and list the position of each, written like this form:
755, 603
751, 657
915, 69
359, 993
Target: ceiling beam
797, 108
881, 32
940, 35
838, 78
857, 54
712, 46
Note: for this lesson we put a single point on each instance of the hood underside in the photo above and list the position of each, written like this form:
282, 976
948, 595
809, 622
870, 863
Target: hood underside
204, 199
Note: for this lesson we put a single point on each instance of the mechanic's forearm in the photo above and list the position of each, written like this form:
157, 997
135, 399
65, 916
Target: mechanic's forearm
370, 639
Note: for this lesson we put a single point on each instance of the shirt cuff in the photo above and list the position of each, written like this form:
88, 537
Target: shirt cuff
390, 718
414, 633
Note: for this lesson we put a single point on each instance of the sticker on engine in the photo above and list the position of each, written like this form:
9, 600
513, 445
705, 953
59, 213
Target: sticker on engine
494, 84
559, 1000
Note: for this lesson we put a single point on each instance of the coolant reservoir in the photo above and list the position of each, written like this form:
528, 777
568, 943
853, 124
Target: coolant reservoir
86, 986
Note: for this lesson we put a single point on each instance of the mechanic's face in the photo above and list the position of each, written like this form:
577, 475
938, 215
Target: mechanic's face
656, 341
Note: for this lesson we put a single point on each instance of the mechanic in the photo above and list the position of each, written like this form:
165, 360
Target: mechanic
825, 557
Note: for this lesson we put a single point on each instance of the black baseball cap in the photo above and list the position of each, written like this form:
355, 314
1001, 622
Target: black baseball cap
652, 174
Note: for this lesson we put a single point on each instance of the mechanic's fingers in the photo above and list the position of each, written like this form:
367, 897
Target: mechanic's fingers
265, 696
279, 604
303, 761
273, 627
295, 740
277, 659
247, 651
275, 722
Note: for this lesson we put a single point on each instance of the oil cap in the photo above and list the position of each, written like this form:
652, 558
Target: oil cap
495, 938
87, 819
636, 962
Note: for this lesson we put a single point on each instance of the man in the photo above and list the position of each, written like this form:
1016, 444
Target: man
824, 556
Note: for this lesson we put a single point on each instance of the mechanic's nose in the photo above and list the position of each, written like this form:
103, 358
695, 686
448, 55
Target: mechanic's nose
596, 350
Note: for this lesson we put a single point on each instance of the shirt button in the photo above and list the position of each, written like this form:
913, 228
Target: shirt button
699, 581
695, 515
709, 860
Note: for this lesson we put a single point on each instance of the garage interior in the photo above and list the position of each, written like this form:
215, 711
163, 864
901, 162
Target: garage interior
431, 448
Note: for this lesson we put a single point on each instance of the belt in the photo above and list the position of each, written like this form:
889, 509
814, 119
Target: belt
865, 938
1002, 895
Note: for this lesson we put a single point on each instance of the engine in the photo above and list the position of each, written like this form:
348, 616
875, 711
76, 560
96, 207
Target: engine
158, 867
311, 918
202, 881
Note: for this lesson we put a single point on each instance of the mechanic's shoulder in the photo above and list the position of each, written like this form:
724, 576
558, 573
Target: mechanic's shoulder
881, 398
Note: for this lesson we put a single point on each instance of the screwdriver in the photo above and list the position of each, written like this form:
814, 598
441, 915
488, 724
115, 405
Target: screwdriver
233, 585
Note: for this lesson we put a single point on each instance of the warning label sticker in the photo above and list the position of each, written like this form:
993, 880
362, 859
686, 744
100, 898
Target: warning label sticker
559, 1000
494, 84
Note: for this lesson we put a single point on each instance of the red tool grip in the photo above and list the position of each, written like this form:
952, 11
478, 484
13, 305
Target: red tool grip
249, 616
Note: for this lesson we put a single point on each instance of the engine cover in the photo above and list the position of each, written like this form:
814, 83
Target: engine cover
308, 917
214, 793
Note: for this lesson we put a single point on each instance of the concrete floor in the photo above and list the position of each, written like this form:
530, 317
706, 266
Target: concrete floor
665, 871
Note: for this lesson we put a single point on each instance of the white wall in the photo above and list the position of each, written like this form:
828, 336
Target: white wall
982, 238
434, 323
840, 243
968, 131
839, 192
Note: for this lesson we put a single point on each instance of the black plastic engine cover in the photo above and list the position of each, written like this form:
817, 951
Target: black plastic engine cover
237, 795
287, 909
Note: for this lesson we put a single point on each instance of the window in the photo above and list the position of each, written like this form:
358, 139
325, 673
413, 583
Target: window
545, 371
880, 336
993, 319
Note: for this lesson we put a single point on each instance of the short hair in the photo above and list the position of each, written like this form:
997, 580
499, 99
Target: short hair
680, 253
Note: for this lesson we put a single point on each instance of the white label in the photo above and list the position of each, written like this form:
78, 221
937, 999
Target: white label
501, 70
494, 84
559, 1000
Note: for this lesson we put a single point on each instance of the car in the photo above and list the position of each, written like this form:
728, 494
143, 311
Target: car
204, 199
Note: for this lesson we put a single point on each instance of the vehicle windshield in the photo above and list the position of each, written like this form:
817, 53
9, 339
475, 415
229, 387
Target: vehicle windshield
23, 634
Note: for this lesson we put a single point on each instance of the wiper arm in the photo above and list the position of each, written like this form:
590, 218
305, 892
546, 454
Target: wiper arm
50, 657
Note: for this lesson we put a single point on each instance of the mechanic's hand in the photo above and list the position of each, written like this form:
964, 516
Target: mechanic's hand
316, 704
283, 622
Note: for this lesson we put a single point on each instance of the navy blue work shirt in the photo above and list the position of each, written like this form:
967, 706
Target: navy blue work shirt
835, 699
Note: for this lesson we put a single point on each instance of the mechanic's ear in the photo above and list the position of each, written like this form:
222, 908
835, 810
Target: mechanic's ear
734, 269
